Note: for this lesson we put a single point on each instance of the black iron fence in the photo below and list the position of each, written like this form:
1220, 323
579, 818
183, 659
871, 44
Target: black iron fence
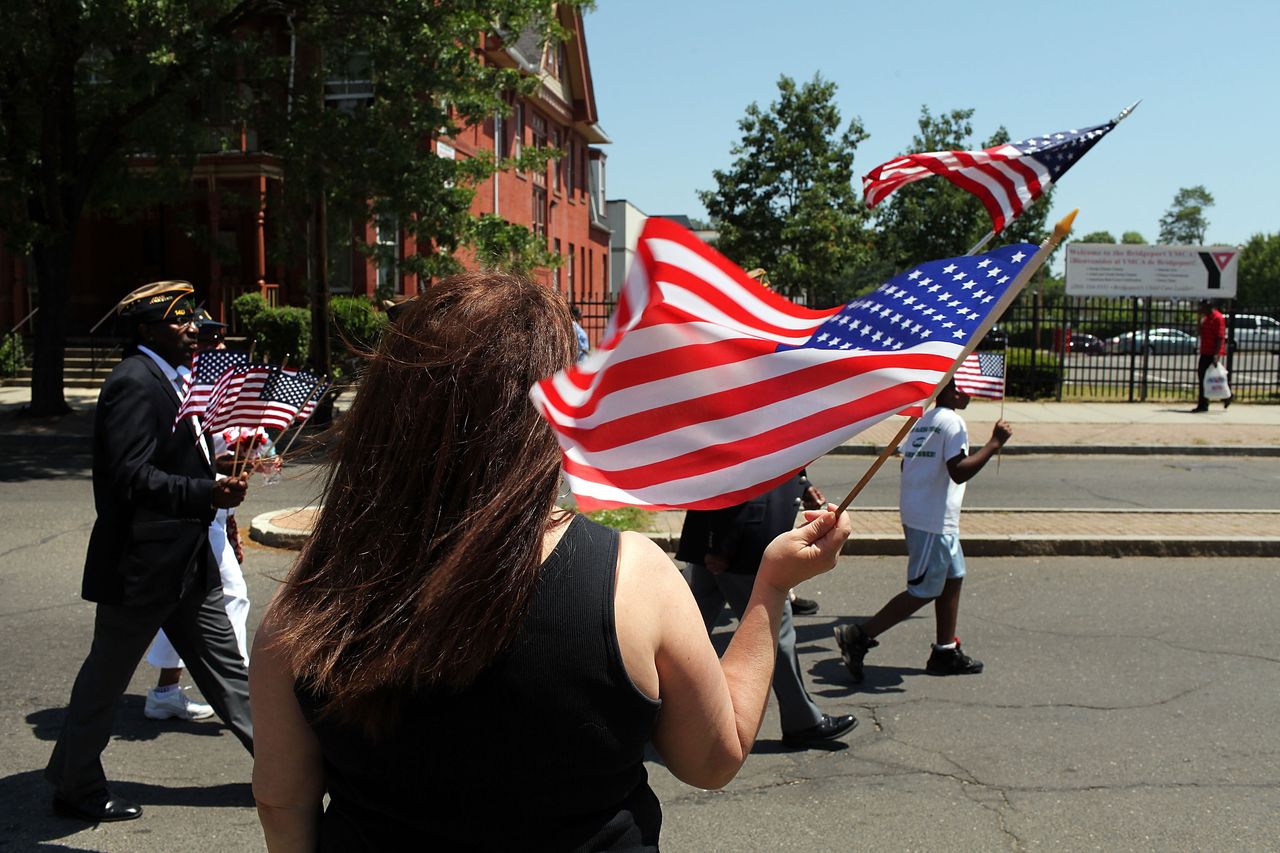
1132, 349
595, 316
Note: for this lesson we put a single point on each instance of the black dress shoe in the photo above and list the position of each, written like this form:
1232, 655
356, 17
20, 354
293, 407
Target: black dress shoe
1197, 410
829, 728
98, 808
803, 606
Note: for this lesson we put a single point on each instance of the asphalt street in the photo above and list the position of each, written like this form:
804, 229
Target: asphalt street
1127, 704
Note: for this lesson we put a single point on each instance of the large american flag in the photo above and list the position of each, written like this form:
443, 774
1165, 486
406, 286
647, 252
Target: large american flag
1007, 178
209, 367
709, 389
981, 374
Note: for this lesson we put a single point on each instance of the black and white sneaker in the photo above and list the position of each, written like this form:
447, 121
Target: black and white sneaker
854, 645
952, 662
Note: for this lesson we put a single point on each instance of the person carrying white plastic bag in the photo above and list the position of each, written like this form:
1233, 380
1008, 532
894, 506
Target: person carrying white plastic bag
1215, 383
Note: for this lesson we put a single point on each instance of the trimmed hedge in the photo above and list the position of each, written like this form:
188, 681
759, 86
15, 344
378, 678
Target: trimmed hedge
354, 324
1030, 377
12, 356
276, 332
355, 327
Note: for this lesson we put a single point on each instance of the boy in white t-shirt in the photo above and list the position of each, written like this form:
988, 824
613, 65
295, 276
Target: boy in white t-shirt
935, 466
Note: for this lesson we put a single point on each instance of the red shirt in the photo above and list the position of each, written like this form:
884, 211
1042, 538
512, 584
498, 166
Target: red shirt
1213, 330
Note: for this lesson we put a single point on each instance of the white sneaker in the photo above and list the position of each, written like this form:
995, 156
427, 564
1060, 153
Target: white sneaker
174, 703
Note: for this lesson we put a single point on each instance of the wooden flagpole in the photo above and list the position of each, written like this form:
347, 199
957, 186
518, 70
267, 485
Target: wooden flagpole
875, 466
1060, 231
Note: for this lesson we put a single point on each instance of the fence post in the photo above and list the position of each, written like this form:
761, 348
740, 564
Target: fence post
1146, 348
1133, 350
1035, 331
1065, 335
1231, 332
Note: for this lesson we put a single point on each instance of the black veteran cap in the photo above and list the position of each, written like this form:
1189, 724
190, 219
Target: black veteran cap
207, 328
159, 302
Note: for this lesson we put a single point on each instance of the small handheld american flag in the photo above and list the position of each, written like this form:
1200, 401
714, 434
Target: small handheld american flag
981, 374
209, 367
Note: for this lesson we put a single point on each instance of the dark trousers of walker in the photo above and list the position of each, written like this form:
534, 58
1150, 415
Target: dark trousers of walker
198, 627
1201, 368
711, 592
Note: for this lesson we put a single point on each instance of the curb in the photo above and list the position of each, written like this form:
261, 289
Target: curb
265, 531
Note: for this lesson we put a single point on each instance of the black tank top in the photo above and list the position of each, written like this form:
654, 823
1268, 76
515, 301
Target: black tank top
544, 751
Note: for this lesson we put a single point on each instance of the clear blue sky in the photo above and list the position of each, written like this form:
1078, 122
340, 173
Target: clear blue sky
672, 79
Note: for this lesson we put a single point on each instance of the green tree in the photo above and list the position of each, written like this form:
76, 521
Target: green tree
1259, 273
933, 218
94, 90
1133, 238
787, 202
1184, 223
1097, 237
501, 246
86, 86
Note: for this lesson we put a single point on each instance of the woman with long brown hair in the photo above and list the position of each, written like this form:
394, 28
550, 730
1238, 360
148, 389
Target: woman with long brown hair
457, 663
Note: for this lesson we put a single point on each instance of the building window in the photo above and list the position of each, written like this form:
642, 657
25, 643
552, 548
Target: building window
517, 130
573, 293
591, 274
538, 128
571, 165
388, 256
540, 211
348, 82
448, 152
556, 165
555, 273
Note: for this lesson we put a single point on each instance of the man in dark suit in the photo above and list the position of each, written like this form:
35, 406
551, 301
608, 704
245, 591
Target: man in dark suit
148, 564
722, 549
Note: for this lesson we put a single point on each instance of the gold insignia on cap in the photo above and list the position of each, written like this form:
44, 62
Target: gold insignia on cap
176, 294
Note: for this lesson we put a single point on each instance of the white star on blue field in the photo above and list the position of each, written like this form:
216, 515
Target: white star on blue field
944, 300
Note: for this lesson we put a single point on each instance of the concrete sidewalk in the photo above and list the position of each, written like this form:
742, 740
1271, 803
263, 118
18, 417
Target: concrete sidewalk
1108, 428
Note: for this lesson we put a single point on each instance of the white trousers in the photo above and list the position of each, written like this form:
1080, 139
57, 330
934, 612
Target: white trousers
235, 597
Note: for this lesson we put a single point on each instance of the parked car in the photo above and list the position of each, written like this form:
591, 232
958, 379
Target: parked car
1156, 341
1086, 343
1255, 331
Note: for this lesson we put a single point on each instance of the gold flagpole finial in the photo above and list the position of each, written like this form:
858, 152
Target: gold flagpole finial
1063, 228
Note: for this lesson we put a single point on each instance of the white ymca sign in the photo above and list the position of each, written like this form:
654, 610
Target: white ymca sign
1178, 272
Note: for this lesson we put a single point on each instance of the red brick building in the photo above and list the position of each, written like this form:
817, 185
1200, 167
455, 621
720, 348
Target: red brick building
219, 238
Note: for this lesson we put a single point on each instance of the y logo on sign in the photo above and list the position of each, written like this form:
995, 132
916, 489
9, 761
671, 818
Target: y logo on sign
1214, 264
